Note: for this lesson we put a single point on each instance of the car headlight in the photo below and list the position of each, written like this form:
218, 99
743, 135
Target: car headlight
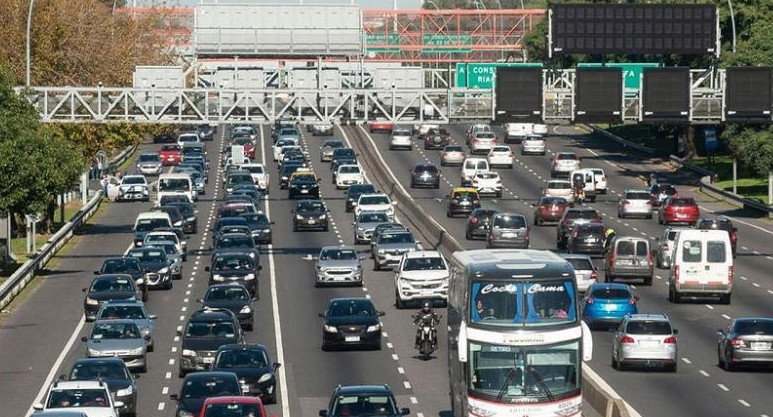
146, 331
124, 392
184, 413
323, 217
92, 302
360, 229
217, 277
249, 277
191, 219
137, 351
189, 353
178, 223
245, 310
374, 328
266, 230
264, 378
382, 251
163, 271
94, 352
298, 217
331, 329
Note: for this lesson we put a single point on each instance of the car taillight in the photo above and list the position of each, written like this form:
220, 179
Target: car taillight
632, 301
626, 340
490, 236
455, 201
626, 202
730, 274
594, 275
528, 236
590, 300
611, 258
474, 220
676, 273
738, 343
475, 201
670, 340
499, 181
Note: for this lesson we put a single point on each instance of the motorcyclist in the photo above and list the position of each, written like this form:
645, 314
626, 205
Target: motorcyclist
578, 187
652, 179
426, 314
609, 234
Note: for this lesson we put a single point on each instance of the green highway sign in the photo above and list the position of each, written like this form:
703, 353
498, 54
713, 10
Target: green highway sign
383, 39
481, 74
446, 43
631, 71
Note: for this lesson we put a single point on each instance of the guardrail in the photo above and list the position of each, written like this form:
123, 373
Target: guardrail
618, 139
596, 392
121, 157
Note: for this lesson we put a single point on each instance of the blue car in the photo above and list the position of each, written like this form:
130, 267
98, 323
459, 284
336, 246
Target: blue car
607, 304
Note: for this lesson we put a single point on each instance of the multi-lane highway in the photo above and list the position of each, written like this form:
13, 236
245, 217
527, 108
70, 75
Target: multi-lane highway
41, 337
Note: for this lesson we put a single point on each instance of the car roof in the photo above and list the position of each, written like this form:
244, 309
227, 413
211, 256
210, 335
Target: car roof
341, 247
210, 314
648, 317
575, 256
423, 254
113, 276
243, 346
233, 400
347, 299
362, 389
61, 385
209, 374
98, 360
610, 285
119, 321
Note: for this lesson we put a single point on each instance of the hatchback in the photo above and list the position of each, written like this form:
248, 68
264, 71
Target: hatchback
745, 341
363, 400
645, 339
660, 192
233, 405
679, 210
508, 230
559, 188
571, 217
584, 270
722, 223
354, 192
605, 304
488, 182
482, 142
436, 139
479, 223
452, 155
588, 238
549, 210
501, 156
425, 175
199, 387
462, 200
635, 203
629, 257
564, 163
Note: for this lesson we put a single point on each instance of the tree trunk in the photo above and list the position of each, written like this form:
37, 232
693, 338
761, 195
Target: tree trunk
47, 225
691, 150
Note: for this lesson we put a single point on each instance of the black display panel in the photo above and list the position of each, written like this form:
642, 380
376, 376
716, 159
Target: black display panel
748, 94
689, 29
599, 95
666, 94
518, 94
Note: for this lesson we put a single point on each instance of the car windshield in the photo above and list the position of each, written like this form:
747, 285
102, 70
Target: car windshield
552, 200
517, 303
232, 263
754, 327
91, 371
236, 241
230, 293
168, 199
168, 148
149, 157
559, 185
254, 169
344, 152
70, 398
186, 209
373, 217
210, 330
149, 255
333, 145
146, 225
288, 132
401, 132
566, 156
454, 149
133, 312
119, 266
174, 184
611, 294
715, 224
666, 189
364, 405
386, 237
658, 327
204, 387
485, 135
424, 264
337, 255
107, 330
112, 285
257, 219
500, 149
232, 409
242, 140
683, 201
581, 264
310, 206
133, 180
346, 169
351, 308
242, 358
239, 178
509, 222
305, 179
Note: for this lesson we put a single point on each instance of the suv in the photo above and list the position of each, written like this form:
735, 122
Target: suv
635, 203
508, 230
462, 200
90, 397
425, 175
207, 329
645, 339
629, 257
421, 275
365, 223
436, 139
310, 214
235, 267
232, 296
113, 371
587, 238
390, 247
721, 224
363, 400
199, 386
479, 223
564, 163
571, 217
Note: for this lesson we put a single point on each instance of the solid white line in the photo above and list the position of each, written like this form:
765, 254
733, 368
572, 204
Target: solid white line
275, 303
723, 387
704, 373
744, 403
62, 355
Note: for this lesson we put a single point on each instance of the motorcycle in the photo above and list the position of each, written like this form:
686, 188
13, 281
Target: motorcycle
579, 195
427, 336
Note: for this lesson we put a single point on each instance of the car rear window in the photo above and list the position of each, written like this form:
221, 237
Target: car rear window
510, 222
567, 156
683, 201
761, 327
559, 185
581, 264
692, 251
552, 200
715, 251
583, 214
625, 248
671, 235
611, 293
637, 195
649, 327
641, 249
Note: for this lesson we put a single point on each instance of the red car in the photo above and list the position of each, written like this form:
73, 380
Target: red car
170, 154
679, 210
233, 406
380, 125
249, 146
549, 210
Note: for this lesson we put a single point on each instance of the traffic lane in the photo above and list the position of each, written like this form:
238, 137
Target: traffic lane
312, 373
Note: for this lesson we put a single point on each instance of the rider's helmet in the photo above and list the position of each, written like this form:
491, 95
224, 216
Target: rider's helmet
610, 232
426, 307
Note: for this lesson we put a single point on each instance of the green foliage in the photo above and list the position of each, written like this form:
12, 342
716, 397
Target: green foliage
752, 146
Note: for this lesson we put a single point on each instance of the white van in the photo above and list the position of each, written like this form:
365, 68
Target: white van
147, 222
470, 166
176, 184
589, 180
702, 265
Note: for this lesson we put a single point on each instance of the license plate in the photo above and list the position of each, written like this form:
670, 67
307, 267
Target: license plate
650, 343
312, 221
610, 307
591, 240
509, 235
624, 262
760, 346
209, 360
352, 338
304, 191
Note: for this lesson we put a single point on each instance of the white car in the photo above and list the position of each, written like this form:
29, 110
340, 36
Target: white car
349, 174
516, 132
188, 138
474, 129
259, 175
482, 142
471, 166
501, 156
539, 129
401, 138
601, 180
91, 398
487, 182
322, 128
452, 155
375, 202
564, 163
421, 275
133, 187
534, 145
559, 188
170, 236
423, 128
281, 144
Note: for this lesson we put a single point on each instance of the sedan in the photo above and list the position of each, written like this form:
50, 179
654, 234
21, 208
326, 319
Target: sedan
425, 175
679, 210
351, 322
501, 156
327, 149
401, 138
149, 164
158, 268
338, 265
310, 214
108, 287
232, 296
608, 304
584, 270
479, 223
559, 188
114, 372
564, 163
452, 155
234, 267
118, 338
549, 210
365, 223
380, 124
745, 341
130, 310
260, 228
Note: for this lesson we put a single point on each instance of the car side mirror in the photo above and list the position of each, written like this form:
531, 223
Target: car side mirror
260, 267
720, 332
147, 338
272, 222
277, 365
676, 331
153, 316
96, 272
174, 397
84, 338
322, 413
636, 297
381, 314
207, 269
394, 203
62, 377
735, 229
405, 411
322, 315
84, 289
39, 407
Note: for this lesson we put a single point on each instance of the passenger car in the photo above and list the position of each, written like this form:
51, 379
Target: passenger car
380, 124
200, 386
351, 322
206, 330
260, 227
401, 138
549, 210
348, 175
559, 188
149, 164
234, 297
436, 138
471, 166
130, 310
365, 223
601, 180
89, 397
158, 269
338, 265
320, 128
260, 176
501, 156
188, 211
605, 304
425, 175
310, 214
722, 223
120, 338
363, 400
112, 371
588, 238
354, 192
487, 183
629, 257
533, 145
390, 245
572, 216
170, 154
635, 203
421, 275
133, 187
660, 192
375, 202
563, 163
645, 339
236, 267
482, 142
303, 184
745, 341
224, 406
462, 200
452, 155
584, 270
108, 287
327, 148
679, 210
473, 129
479, 223
508, 230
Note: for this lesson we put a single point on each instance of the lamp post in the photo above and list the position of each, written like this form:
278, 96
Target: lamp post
732, 21
29, 28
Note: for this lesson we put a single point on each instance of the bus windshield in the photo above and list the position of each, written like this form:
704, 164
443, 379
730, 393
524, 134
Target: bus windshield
524, 374
523, 303
174, 184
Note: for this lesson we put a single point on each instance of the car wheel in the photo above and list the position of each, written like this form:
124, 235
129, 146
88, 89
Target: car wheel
448, 214
249, 327
145, 296
437, 186
467, 235
400, 304
499, 194
724, 299
442, 163
325, 346
295, 228
672, 367
169, 285
181, 373
143, 370
648, 281
413, 185
376, 266
727, 365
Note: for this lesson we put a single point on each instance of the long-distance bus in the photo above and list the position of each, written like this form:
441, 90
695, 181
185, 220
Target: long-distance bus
516, 339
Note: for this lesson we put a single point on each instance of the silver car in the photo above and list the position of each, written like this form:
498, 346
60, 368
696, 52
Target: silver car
173, 255
635, 203
130, 310
533, 145
584, 270
365, 223
401, 138
149, 164
338, 265
452, 155
118, 338
327, 149
508, 230
645, 339
390, 247
564, 163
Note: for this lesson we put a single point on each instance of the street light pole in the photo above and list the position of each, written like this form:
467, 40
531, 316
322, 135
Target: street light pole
29, 28
732, 21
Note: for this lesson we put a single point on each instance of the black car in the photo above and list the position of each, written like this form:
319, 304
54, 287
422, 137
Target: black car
247, 194
303, 186
721, 224
207, 329
175, 214
238, 178
114, 373
199, 386
351, 322
164, 138
425, 175
286, 172
310, 214
478, 223
188, 210
235, 267
588, 238
128, 266
363, 400
436, 139
232, 296
224, 222
354, 192
660, 192
572, 217
252, 366
237, 243
206, 132
171, 199
158, 269
343, 154
108, 287
260, 228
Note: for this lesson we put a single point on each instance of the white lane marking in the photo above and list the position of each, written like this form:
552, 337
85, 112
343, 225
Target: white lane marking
687, 361
710, 307
756, 285
726, 317
168, 375
744, 403
394, 357
400, 370
744, 278
58, 363
161, 406
414, 400
723, 387
704, 373
756, 252
174, 349
770, 291
389, 345
165, 391
407, 384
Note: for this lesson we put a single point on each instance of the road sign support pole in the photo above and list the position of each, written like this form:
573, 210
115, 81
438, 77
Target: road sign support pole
770, 188
29, 233
735, 176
